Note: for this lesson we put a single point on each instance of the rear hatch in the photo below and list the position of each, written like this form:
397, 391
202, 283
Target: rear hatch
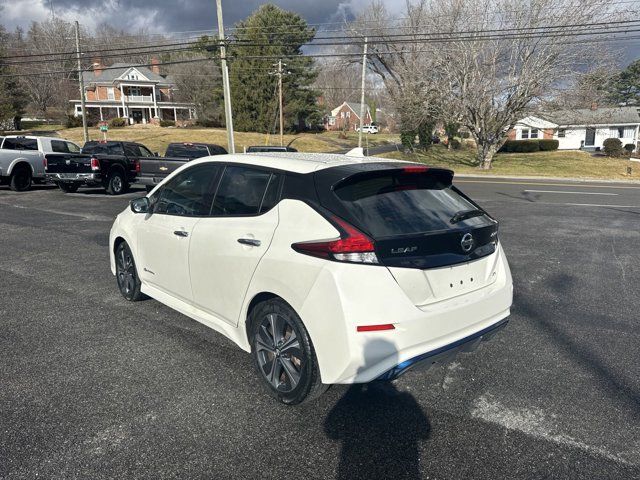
68, 163
436, 242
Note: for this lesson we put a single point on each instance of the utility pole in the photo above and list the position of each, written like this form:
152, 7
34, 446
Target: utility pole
228, 115
84, 110
280, 101
362, 109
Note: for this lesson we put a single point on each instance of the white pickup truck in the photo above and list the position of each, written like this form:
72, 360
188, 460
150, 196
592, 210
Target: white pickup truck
22, 158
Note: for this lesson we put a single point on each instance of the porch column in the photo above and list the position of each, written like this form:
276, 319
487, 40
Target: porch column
190, 114
124, 111
155, 102
175, 114
101, 116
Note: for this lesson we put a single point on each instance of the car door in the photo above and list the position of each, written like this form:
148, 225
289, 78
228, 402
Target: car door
226, 247
164, 235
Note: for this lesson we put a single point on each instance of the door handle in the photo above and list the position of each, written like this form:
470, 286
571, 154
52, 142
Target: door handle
249, 241
181, 233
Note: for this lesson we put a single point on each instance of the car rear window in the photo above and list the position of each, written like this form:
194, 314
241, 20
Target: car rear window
93, 148
392, 203
187, 151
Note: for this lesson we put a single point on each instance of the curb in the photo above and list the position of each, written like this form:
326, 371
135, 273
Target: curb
554, 179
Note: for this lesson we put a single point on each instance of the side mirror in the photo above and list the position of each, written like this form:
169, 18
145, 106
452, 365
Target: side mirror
139, 205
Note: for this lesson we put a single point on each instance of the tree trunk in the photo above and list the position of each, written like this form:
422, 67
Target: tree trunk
485, 155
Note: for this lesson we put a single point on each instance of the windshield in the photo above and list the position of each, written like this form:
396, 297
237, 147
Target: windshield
399, 203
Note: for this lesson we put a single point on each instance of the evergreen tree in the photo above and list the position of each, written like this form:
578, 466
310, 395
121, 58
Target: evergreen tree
625, 86
12, 100
271, 31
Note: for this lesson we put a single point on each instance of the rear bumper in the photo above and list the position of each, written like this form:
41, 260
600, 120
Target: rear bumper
86, 178
150, 181
445, 354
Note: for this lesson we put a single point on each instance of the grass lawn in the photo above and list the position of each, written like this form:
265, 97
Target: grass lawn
157, 139
564, 163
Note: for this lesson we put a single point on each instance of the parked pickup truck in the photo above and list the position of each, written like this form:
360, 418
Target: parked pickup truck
22, 158
113, 165
155, 170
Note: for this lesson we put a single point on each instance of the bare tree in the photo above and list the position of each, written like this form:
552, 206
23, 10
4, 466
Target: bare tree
511, 58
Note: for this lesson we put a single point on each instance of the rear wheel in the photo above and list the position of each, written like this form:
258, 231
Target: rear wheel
127, 275
116, 185
20, 179
68, 187
283, 353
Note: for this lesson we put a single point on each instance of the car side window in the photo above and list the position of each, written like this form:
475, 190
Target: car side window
20, 144
272, 195
144, 151
188, 194
131, 150
241, 191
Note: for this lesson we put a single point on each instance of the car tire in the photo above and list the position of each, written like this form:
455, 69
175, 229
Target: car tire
285, 361
116, 185
21, 179
68, 187
127, 275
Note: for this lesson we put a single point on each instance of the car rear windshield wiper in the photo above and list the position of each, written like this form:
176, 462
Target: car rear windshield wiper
464, 214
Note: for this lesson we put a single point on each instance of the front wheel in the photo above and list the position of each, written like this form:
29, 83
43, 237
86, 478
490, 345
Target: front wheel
116, 184
68, 187
283, 353
127, 275
20, 180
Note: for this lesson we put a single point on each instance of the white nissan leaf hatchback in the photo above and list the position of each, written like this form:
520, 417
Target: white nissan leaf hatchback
327, 268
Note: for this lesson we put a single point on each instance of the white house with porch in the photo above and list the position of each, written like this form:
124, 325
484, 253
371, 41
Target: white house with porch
139, 94
585, 128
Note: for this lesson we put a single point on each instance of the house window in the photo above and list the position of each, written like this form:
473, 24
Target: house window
111, 93
562, 132
348, 114
616, 132
527, 133
534, 133
134, 91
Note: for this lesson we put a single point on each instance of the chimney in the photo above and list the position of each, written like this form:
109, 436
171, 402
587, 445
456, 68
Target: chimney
594, 106
155, 65
97, 67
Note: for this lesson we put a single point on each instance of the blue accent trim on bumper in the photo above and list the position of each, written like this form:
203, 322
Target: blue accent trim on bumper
445, 353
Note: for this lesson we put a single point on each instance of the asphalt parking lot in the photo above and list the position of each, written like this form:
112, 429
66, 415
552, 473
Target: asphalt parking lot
94, 387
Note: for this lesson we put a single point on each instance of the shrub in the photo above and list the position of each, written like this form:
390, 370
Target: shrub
72, 122
167, 123
629, 147
520, 146
407, 138
612, 147
455, 144
547, 144
118, 122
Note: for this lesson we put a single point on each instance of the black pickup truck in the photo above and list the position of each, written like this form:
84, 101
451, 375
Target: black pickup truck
113, 165
154, 170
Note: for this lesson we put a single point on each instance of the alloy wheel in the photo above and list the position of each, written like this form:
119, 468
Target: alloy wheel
117, 183
126, 272
280, 357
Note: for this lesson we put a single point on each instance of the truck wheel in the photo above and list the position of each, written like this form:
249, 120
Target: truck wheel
117, 185
20, 179
68, 187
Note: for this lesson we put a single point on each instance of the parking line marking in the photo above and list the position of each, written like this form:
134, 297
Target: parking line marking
600, 205
577, 184
576, 193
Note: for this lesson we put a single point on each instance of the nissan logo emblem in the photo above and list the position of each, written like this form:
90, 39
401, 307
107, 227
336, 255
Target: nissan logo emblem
467, 242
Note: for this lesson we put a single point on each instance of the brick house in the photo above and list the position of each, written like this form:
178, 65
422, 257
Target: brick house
140, 94
347, 116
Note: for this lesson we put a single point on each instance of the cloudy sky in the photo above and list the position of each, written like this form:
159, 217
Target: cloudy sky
171, 15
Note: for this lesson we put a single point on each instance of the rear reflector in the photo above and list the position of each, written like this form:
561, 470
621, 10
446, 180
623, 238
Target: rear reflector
137, 164
375, 328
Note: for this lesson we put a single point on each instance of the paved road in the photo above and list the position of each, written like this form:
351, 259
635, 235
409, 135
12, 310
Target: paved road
94, 387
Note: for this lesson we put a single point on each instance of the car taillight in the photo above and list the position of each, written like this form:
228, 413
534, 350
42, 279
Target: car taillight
352, 246
95, 164
137, 165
